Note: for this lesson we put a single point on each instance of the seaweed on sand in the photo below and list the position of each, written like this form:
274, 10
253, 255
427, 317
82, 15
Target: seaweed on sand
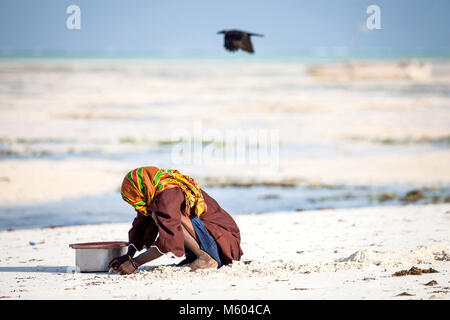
415, 271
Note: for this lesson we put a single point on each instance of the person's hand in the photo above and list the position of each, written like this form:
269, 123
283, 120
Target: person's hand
128, 267
116, 262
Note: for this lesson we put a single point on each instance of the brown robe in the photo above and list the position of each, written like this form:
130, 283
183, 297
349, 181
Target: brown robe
167, 208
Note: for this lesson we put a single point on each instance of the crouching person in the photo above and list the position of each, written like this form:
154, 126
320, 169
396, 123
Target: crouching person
175, 215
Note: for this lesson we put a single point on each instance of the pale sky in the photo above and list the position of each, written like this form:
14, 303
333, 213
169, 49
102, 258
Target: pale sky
189, 27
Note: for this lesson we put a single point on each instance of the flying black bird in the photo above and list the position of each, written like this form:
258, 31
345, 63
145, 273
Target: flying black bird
236, 39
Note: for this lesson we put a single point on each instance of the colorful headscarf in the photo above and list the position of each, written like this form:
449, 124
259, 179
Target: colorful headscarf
140, 186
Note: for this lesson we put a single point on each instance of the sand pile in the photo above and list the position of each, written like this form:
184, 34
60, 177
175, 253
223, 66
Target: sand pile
421, 255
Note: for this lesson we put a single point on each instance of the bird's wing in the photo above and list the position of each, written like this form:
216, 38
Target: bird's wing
245, 43
255, 34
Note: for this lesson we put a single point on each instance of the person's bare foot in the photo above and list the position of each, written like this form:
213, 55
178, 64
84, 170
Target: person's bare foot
204, 261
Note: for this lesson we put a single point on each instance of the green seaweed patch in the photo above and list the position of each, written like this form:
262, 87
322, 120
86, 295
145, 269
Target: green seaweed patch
413, 196
133, 140
442, 140
342, 197
128, 140
384, 196
23, 140
439, 199
215, 182
162, 142
168, 142
320, 185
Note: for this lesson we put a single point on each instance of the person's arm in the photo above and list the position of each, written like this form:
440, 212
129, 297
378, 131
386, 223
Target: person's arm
131, 250
142, 233
166, 210
151, 254
131, 265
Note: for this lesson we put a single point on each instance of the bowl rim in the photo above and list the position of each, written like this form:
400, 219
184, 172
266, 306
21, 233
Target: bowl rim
99, 245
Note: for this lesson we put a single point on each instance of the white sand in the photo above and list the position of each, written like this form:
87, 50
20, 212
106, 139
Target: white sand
88, 112
327, 254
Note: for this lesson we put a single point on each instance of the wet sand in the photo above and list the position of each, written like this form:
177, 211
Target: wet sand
85, 123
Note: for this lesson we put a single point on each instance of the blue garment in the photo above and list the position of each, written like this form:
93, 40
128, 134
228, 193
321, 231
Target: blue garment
207, 242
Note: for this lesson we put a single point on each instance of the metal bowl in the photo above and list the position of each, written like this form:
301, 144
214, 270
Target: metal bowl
95, 256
